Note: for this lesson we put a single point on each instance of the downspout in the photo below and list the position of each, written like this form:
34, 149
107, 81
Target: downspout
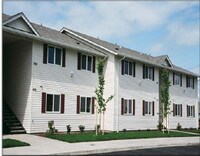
118, 94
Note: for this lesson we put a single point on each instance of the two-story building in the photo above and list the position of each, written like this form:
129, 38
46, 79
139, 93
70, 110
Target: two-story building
51, 75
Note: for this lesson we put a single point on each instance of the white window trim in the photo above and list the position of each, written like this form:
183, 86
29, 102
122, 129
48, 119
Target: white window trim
53, 112
128, 114
87, 62
177, 79
147, 76
54, 55
191, 115
86, 105
176, 113
148, 105
128, 68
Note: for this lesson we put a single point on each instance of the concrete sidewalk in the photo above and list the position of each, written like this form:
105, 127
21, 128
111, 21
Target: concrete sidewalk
45, 146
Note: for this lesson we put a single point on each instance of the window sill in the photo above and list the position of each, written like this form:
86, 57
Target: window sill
128, 115
53, 113
148, 115
191, 117
81, 113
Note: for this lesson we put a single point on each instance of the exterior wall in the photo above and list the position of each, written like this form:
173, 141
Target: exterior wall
109, 70
17, 80
129, 88
56, 79
184, 96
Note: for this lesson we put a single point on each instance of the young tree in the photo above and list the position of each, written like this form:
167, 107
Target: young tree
165, 83
100, 91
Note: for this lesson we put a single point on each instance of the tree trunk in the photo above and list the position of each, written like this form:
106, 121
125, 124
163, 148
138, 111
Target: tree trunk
100, 120
103, 122
96, 119
163, 118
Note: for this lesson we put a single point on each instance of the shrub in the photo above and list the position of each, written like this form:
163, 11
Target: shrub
51, 127
68, 129
139, 130
148, 130
81, 128
179, 127
160, 126
124, 130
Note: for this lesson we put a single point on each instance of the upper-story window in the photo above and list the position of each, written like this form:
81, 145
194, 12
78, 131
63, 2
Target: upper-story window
53, 55
189, 82
128, 68
148, 72
177, 79
86, 62
177, 109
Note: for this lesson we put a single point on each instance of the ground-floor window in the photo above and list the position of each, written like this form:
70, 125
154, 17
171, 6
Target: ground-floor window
53, 103
86, 104
177, 109
127, 106
190, 111
148, 108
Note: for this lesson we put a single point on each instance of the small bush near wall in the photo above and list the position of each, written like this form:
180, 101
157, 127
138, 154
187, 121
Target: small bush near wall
160, 126
179, 127
51, 127
68, 129
81, 128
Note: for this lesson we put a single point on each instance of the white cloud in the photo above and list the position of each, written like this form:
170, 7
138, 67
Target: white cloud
184, 33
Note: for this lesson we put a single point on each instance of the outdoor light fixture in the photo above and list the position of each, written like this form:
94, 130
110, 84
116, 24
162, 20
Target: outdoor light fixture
72, 74
139, 82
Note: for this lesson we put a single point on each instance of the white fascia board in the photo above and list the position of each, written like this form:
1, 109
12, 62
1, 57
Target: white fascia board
65, 29
43, 39
24, 18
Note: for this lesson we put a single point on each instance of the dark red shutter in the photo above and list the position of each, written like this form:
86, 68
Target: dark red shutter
193, 82
133, 69
181, 109
143, 71
187, 111
193, 111
79, 61
143, 107
43, 102
173, 79
45, 53
153, 108
122, 106
153, 73
93, 100
181, 80
122, 67
78, 105
62, 103
94, 64
174, 109
133, 106
63, 58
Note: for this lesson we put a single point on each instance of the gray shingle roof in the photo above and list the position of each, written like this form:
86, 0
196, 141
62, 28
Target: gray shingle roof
58, 37
122, 51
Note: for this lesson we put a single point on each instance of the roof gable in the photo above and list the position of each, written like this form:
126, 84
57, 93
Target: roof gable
20, 22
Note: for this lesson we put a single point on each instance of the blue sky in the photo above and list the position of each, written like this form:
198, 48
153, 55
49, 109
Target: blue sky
156, 28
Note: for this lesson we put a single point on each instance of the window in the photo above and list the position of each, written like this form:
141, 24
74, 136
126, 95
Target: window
148, 108
177, 79
128, 106
190, 111
86, 105
189, 82
53, 103
148, 72
85, 61
54, 55
128, 68
177, 110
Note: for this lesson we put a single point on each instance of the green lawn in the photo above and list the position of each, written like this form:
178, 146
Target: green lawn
115, 136
7, 143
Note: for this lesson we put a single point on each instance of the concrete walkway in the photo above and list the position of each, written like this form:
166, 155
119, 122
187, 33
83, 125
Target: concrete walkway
45, 146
